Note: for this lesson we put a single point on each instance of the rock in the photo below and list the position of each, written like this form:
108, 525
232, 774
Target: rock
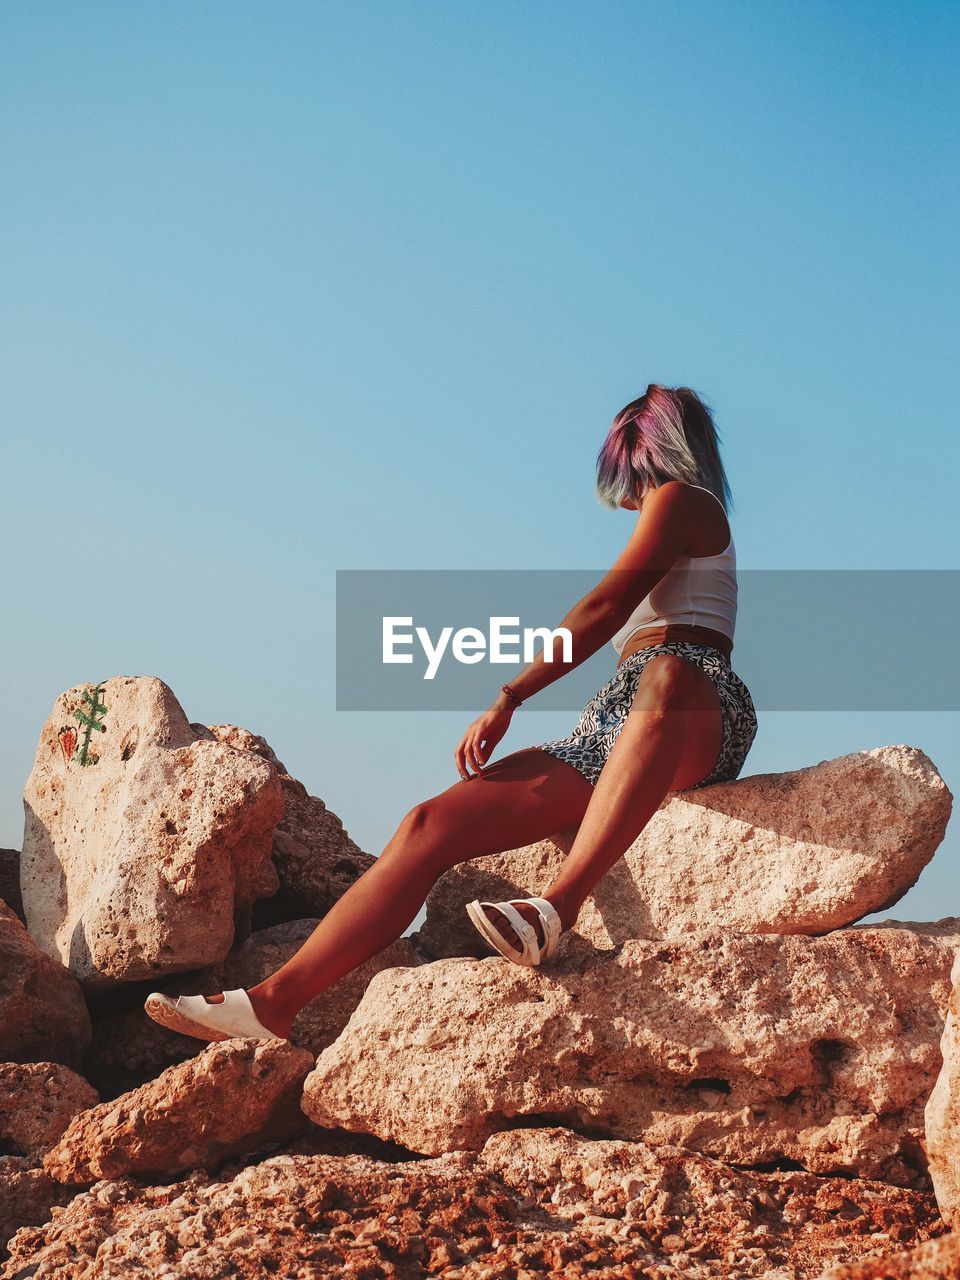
27, 1196
801, 852
144, 848
699, 1210
10, 880
235, 1096
933, 1260
946, 930
942, 1113
289, 1216
750, 1048
536, 1203
42, 1011
37, 1102
316, 860
129, 1048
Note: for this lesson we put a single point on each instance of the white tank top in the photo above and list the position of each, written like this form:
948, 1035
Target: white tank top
696, 590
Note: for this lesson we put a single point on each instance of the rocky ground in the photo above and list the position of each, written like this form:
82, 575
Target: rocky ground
720, 1075
533, 1202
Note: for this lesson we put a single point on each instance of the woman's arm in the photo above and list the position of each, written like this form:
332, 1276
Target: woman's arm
666, 527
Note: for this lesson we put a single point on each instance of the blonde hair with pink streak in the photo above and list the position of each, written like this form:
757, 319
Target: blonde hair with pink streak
668, 434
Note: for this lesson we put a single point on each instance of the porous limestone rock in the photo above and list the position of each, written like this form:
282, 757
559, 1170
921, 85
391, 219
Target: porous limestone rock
129, 1048
748, 1047
536, 1203
37, 1102
937, 1259
946, 930
703, 1213
316, 860
291, 1216
942, 1113
800, 852
27, 1195
10, 880
144, 846
235, 1096
43, 1015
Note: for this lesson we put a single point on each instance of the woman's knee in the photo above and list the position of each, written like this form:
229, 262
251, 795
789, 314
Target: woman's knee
420, 822
423, 832
433, 834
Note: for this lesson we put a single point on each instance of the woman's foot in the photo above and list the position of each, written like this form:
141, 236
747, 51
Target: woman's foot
280, 1024
568, 918
224, 1016
506, 929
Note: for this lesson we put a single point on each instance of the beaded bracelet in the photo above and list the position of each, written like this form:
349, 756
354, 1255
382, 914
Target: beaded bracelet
517, 702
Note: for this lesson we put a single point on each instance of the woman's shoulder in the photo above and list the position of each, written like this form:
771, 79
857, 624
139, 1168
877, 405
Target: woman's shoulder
702, 509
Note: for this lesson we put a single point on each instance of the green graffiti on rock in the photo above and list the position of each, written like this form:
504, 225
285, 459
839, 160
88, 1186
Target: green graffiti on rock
90, 715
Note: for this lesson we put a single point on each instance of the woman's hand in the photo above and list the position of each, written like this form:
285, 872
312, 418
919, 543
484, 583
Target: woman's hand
481, 738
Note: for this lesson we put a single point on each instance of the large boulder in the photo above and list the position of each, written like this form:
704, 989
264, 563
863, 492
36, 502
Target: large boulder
942, 1113
43, 1015
37, 1102
751, 1048
315, 859
801, 852
146, 840
234, 1097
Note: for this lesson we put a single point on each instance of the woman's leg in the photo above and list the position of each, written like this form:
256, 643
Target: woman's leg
670, 740
515, 801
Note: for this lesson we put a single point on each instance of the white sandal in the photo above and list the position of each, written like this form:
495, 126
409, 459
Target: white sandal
195, 1016
532, 953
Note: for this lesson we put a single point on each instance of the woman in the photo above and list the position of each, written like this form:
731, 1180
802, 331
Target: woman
673, 717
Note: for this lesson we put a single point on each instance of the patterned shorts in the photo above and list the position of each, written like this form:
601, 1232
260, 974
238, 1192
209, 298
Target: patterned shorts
601, 720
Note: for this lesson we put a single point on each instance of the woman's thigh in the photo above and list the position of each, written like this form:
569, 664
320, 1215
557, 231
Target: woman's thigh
672, 688
517, 800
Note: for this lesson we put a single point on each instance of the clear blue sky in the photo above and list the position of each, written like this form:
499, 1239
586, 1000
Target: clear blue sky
292, 288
